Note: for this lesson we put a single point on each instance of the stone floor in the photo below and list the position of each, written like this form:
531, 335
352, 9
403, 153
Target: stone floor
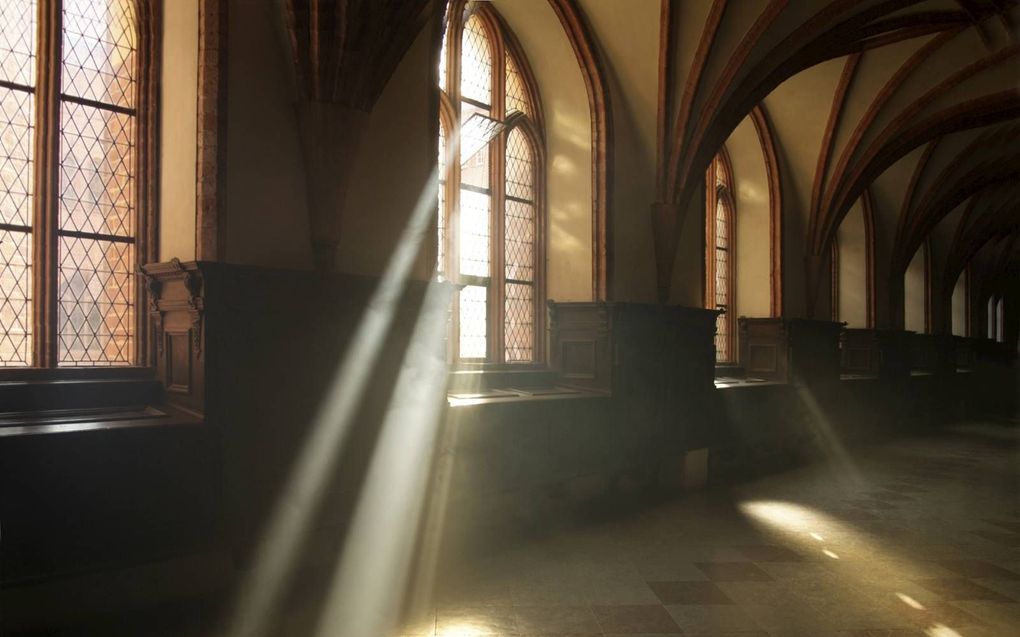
916, 537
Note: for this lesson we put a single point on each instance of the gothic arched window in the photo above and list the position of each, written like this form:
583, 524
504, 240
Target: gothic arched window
490, 203
719, 261
72, 210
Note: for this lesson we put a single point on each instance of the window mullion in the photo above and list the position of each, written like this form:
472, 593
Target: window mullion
497, 184
47, 166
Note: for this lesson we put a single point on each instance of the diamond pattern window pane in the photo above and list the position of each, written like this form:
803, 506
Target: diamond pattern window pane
15, 299
516, 93
99, 51
17, 41
16, 151
520, 172
519, 322
473, 320
96, 311
475, 63
474, 233
474, 170
722, 230
722, 338
722, 277
721, 265
519, 241
96, 170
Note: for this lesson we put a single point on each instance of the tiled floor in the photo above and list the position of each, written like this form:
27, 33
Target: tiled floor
917, 537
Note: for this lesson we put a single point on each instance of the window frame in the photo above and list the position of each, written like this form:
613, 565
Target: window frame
46, 197
502, 44
715, 194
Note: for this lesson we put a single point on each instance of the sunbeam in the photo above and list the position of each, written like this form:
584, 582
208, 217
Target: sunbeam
288, 526
365, 596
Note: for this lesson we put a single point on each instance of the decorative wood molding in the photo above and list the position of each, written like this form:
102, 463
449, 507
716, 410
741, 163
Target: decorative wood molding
343, 53
834, 279
768, 148
210, 169
868, 210
884, 95
592, 69
177, 316
665, 102
828, 137
693, 84
915, 178
954, 191
147, 165
900, 137
950, 186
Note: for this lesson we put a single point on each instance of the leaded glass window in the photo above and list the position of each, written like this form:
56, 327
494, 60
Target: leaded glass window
90, 221
488, 239
719, 256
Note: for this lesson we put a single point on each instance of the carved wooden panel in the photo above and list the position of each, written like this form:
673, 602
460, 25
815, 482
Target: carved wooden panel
579, 359
654, 359
581, 349
964, 350
762, 358
784, 350
860, 353
763, 348
178, 361
177, 310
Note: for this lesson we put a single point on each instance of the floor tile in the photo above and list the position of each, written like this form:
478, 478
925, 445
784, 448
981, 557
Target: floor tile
959, 588
689, 593
999, 537
733, 572
711, 620
477, 620
556, 620
769, 553
977, 569
635, 619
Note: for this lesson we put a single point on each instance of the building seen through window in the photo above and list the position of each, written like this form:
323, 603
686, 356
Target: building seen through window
67, 255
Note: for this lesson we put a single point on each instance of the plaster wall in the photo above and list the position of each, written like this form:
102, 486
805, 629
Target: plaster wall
178, 131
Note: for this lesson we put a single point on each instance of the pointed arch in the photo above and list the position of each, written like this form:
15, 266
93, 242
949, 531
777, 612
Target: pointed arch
493, 219
593, 70
768, 147
720, 262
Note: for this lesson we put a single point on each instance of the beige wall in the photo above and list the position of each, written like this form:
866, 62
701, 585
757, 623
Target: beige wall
628, 35
568, 146
853, 277
266, 208
913, 294
394, 167
753, 253
799, 110
178, 131
959, 311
